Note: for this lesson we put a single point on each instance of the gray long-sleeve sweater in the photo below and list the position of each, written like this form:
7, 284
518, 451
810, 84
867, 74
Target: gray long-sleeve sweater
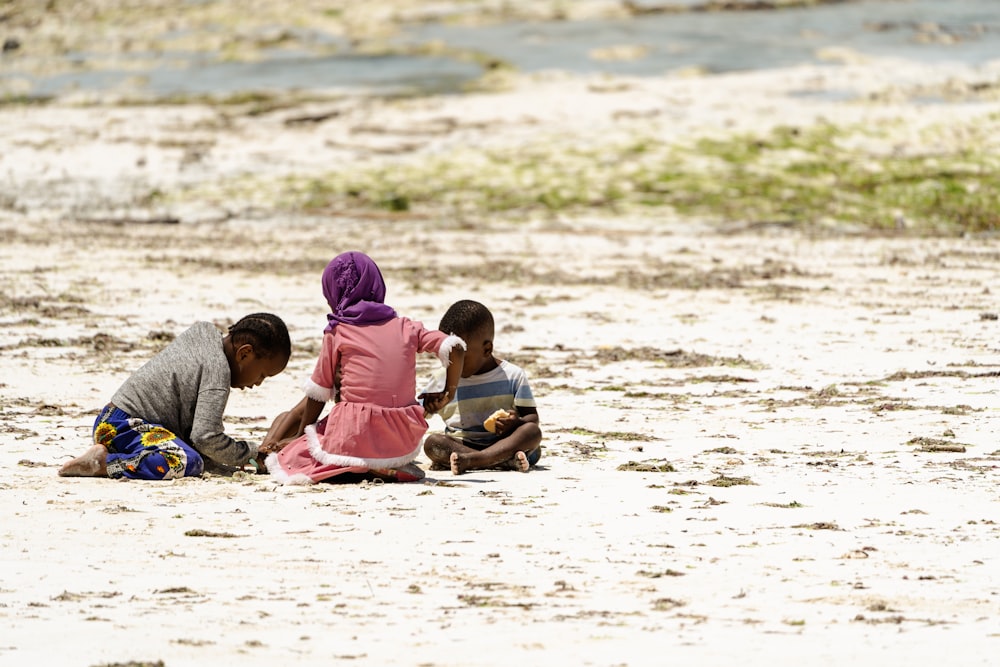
185, 389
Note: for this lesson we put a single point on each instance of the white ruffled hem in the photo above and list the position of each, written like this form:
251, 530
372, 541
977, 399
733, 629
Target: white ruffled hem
343, 461
279, 475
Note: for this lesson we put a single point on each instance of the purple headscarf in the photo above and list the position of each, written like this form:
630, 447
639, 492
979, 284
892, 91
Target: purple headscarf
355, 290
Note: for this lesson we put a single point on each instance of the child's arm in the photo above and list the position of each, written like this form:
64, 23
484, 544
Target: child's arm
507, 425
291, 424
313, 409
208, 434
434, 401
527, 414
284, 427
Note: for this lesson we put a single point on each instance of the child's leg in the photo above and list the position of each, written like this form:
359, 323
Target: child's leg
125, 446
92, 463
167, 458
526, 438
439, 448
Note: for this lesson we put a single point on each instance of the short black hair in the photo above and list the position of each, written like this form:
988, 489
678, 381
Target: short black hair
465, 318
267, 334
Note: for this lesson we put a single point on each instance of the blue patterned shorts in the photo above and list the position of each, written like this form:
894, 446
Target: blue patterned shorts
140, 450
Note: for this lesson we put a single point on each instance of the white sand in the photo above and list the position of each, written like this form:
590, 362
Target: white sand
850, 546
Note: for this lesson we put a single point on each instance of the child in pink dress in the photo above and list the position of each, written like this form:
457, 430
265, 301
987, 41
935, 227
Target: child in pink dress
368, 365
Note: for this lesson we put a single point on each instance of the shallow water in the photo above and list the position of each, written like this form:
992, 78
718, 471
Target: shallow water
925, 30
749, 40
202, 76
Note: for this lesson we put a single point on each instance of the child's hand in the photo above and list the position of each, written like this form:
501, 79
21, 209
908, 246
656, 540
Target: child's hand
269, 447
434, 401
507, 425
255, 465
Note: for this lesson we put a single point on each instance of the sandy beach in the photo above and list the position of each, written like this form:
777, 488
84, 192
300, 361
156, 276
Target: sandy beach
764, 443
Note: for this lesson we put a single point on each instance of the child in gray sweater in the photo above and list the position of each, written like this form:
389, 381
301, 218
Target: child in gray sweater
167, 417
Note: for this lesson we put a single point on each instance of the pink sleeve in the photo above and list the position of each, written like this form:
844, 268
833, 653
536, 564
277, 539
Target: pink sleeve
323, 374
427, 341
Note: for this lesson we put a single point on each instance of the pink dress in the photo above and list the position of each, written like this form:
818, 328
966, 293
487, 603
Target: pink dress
377, 423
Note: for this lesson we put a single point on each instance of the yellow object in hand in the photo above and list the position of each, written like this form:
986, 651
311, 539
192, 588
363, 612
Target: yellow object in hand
491, 422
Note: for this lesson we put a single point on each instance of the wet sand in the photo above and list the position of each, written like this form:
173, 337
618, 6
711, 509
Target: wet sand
758, 446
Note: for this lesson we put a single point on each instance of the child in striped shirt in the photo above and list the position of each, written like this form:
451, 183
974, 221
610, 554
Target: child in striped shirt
487, 385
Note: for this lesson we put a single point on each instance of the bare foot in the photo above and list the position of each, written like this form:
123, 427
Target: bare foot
92, 463
520, 462
457, 465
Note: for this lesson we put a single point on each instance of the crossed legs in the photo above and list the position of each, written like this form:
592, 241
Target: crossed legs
512, 451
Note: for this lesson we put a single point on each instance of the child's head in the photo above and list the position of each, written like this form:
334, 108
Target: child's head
355, 290
259, 348
472, 322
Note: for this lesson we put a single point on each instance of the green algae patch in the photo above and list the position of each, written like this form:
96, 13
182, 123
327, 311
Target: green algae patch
667, 604
647, 466
887, 176
925, 444
199, 532
627, 436
670, 358
657, 574
819, 525
855, 175
792, 505
723, 480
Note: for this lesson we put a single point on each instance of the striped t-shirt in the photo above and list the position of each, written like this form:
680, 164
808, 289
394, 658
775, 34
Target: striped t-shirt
479, 396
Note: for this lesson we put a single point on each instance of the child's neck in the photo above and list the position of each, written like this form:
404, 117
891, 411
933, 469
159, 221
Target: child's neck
230, 351
488, 365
